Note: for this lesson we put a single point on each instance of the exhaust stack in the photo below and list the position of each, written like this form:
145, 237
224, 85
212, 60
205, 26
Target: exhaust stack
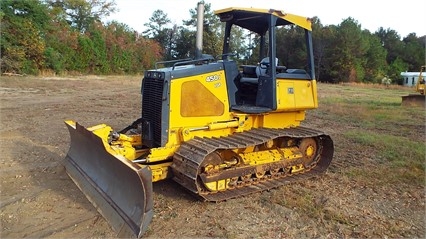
199, 37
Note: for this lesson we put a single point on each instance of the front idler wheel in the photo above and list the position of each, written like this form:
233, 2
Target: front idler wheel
309, 149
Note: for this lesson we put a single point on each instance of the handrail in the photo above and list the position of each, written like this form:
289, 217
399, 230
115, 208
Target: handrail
203, 60
171, 61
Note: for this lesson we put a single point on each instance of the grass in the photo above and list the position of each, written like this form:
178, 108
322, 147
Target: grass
368, 124
398, 150
376, 122
402, 159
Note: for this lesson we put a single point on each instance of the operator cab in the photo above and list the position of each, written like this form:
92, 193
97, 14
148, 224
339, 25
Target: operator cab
252, 87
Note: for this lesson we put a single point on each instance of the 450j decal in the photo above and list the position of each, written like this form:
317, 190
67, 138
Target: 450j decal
212, 78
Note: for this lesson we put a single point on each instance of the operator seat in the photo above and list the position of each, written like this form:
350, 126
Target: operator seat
263, 66
260, 69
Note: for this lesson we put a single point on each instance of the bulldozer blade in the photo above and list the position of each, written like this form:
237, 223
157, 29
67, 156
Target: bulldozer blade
120, 190
414, 100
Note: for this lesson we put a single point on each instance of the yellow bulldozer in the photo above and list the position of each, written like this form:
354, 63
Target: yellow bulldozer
418, 98
219, 129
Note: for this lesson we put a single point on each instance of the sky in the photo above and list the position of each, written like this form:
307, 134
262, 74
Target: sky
404, 17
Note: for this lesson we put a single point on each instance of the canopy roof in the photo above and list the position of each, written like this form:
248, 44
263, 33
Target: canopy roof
256, 20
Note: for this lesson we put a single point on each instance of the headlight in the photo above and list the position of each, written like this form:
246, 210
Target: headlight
155, 75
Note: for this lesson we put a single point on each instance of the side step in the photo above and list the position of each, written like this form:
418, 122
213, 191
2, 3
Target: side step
119, 189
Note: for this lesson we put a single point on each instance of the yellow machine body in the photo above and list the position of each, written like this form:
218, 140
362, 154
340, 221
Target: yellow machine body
214, 126
206, 114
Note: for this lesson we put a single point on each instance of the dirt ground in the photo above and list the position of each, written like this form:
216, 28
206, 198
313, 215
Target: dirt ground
39, 200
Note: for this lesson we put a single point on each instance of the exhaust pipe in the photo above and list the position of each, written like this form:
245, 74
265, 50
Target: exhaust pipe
199, 36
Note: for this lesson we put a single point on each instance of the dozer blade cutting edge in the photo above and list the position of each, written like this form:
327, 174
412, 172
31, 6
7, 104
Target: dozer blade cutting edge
119, 189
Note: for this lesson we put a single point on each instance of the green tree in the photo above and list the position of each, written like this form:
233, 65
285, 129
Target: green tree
405, 55
391, 41
212, 34
157, 29
81, 14
118, 39
349, 49
84, 59
375, 64
185, 43
61, 41
100, 65
156, 25
395, 69
414, 51
240, 44
291, 48
22, 30
323, 38
128, 51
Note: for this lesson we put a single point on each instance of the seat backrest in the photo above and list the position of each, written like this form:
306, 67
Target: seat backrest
263, 66
249, 71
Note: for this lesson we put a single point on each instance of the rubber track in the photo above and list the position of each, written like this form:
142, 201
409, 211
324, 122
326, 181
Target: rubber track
188, 158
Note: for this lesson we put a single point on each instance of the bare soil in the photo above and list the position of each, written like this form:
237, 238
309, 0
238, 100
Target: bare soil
38, 199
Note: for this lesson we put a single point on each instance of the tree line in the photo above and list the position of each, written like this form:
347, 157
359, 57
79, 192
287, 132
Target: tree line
68, 36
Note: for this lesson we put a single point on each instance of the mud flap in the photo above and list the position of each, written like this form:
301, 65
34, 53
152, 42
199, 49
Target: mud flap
414, 100
119, 189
